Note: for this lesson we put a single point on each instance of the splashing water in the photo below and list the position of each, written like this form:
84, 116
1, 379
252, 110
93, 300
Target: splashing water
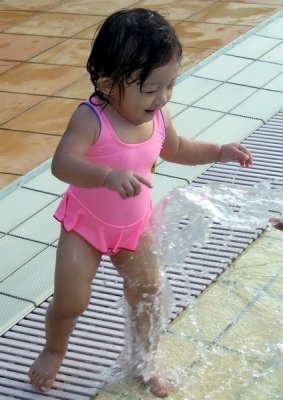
224, 333
183, 218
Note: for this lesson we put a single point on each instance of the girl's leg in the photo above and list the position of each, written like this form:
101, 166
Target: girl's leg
142, 289
76, 266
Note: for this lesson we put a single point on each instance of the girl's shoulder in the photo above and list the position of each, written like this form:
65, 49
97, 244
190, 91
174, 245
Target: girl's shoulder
90, 111
84, 122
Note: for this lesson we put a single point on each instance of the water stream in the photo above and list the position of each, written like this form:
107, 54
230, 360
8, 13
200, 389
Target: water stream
230, 341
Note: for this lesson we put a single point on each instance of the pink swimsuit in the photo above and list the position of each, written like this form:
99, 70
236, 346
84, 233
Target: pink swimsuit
108, 222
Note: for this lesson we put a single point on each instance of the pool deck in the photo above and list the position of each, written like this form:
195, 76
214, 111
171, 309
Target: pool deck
231, 84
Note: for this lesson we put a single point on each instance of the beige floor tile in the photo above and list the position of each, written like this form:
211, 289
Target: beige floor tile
73, 52
14, 104
265, 2
219, 375
109, 396
48, 24
51, 116
177, 350
6, 179
258, 332
234, 13
90, 32
268, 386
105, 7
22, 151
216, 374
258, 263
192, 56
10, 18
5, 65
208, 317
251, 277
81, 89
39, 79
276, 290
38, 5
173, 22
175, 9
23, 47
210, 36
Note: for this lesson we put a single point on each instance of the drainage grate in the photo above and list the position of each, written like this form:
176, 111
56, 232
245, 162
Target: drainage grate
99, 335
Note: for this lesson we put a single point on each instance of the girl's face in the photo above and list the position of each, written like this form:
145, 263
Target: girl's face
139, 106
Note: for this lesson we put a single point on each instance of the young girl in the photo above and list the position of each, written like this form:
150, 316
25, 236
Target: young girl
106, 155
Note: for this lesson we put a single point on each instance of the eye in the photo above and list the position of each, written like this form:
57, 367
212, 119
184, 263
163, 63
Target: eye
149, 91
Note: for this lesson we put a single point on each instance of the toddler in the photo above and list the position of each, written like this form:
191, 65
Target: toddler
106, 156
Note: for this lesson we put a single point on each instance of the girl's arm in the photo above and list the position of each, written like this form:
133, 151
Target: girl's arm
68, 163
186, 151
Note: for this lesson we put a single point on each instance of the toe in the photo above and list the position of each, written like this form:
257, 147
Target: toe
42, 384
161, 393
30, 374
156, 387
46, 385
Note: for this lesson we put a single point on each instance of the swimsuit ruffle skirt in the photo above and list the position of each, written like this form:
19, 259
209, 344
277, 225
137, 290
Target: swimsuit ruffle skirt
105, 220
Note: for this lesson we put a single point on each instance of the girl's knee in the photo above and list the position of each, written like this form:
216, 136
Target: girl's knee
143, 295
145, 286
151, 289
69, 308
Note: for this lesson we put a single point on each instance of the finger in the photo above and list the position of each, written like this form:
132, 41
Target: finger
247, 163
243, 158
123, 194
250, 160
129, 189
126, 191
248, 155
142, 180
136, 186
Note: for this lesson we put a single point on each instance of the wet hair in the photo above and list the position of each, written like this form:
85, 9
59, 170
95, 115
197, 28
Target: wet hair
129, 41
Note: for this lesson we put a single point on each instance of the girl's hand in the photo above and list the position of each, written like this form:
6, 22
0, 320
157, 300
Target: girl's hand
126, 183
235, 152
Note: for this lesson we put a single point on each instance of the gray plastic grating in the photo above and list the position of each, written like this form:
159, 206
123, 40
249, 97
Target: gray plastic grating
99, 335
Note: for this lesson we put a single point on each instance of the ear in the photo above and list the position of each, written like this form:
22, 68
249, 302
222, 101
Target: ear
104, 85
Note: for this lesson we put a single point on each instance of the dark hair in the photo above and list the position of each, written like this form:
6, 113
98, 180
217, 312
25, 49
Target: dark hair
128, 41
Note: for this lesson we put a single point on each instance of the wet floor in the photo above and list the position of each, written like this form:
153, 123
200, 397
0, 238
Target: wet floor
227, 345
228, 342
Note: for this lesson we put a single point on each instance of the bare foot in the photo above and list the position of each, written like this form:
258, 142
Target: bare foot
44, 370
158, 386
